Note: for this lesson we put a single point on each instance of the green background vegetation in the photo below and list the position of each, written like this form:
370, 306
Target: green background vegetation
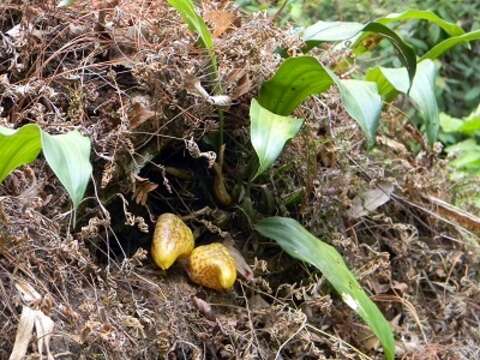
458, 87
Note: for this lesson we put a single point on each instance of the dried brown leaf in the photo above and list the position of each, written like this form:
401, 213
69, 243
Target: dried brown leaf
242, 266
371, 199
220, 20
244, 85
453, 213
142, 188
139, 112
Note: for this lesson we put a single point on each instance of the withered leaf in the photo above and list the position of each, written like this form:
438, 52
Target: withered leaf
220, 20
242, 266
142, 188
139, 112
371, 199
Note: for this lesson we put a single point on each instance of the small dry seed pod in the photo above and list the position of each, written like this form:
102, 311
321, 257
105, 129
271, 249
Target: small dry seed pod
172, 239
219, 189
212, 266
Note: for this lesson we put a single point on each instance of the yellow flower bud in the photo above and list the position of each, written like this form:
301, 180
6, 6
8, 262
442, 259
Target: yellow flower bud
172, 239
212, 266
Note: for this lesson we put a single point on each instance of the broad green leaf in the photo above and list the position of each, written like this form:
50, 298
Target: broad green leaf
341, 31
296, 80
300, 77
269, 132
442, 47
332, 31
467, 156
302, 245
406, 53
414, 14
449, 124
397, 77
363, 103
18, 147
422, 95
422, 92
69, 157
468, 126
471, 126
468, 161
411, 14
385, 89
469, 145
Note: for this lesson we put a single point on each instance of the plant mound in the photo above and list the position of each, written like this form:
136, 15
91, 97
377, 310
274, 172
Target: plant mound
132, 77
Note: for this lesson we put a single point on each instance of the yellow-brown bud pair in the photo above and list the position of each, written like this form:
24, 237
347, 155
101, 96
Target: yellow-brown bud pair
210, 265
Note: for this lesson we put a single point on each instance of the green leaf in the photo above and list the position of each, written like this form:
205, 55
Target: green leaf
442, 47
467, 126
463, 146
300, 77
18, 147
340, 31
406, 53
471, 126
422, 92
296, 80
450, 124
363, 103
467, 156
411, 14
302, 245
468, 161
332, 31
385, 89
414, 14
397, 77
269, 132
69, 157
